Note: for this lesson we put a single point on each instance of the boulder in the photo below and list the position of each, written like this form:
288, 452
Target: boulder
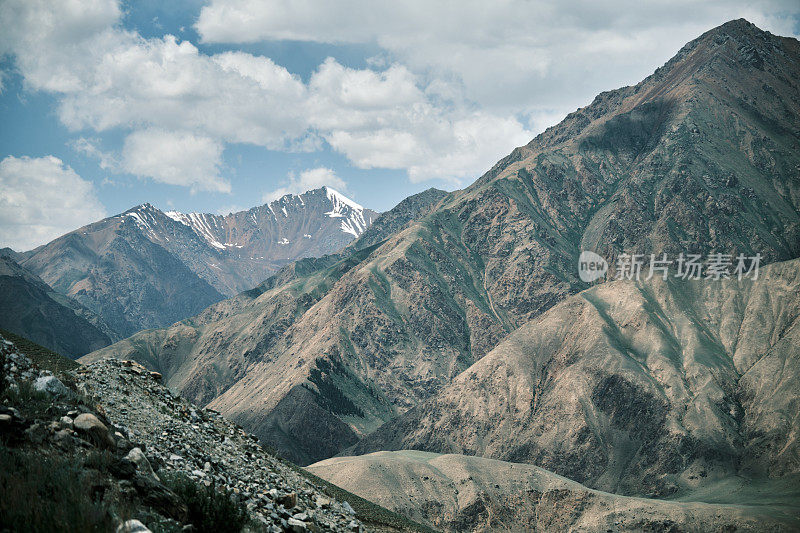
51, 385
288, 500
323, 502
90, 426
297, 526
132, 526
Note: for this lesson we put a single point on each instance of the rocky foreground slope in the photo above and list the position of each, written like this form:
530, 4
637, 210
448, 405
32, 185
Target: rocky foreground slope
700, 157
125, 448
462, 493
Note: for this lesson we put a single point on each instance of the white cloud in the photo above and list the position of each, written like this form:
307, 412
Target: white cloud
313, 178
90, 147
41, 199
455, 86
518, 55
106, 77
384, 120
176, 159
170, 85
46, 37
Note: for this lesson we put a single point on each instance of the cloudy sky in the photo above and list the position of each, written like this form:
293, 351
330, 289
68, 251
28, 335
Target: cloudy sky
225, 104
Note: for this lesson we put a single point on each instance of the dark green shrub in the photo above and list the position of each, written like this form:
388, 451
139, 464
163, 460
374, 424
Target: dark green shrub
331, 397
46, 494
210, 510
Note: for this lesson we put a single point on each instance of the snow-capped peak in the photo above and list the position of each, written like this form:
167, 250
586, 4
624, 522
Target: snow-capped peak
201, 223
351, 213
144, 217
338, 198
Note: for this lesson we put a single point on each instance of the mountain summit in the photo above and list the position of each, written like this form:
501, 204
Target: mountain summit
353, 220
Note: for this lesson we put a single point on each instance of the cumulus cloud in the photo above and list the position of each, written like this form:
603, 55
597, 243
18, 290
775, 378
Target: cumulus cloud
160, 88
41, 199
107, 77
520, 55
455, 86
175, 158
307, 180
385, 120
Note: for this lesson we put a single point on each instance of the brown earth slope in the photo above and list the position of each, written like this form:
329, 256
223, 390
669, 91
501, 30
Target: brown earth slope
651, 388
461, 493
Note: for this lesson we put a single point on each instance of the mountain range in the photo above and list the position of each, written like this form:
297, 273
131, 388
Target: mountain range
30, 308
645, 388
146, 268
699, 157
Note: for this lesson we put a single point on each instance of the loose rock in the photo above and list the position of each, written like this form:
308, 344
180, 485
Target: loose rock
137, 457
132, 526
51, 385
90, 425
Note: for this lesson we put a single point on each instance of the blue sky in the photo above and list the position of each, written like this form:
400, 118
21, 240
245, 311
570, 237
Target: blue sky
221, 105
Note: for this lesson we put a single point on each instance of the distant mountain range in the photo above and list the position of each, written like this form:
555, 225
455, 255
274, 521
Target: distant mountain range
146, 268
30, 308
701, 156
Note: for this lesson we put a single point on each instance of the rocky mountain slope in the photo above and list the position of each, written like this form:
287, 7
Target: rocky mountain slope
651, 388
413, 208
115, 270
126, 451
146, 268
701, 156
461, 493
29, 307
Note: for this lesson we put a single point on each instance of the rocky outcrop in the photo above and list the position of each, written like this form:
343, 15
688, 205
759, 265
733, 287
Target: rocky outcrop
127, 437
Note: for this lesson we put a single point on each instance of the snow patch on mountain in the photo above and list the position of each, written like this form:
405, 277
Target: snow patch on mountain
293, 209
201, 223
352, 213
144, 217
